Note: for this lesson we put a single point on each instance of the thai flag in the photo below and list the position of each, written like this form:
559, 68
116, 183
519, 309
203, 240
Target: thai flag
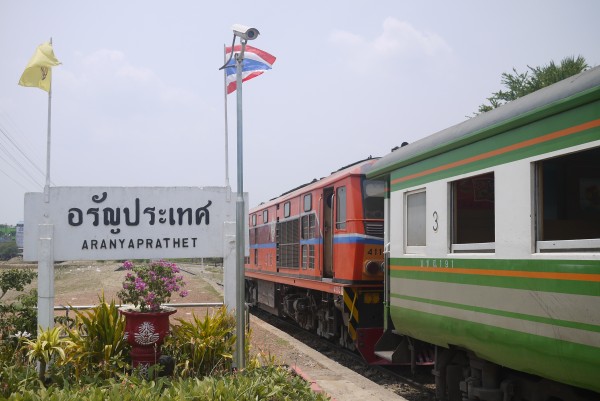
255, 62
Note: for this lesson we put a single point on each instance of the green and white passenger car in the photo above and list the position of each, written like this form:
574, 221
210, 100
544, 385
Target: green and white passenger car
493, 243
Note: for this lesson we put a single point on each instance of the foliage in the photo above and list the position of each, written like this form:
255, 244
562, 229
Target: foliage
7, 231
88, 360
15, 279
151, 285
20, 315
203, 346
268, 383
85, 365
17, 378
98, 341
520, 84
15, 373
271, 383
49, 346
8, 250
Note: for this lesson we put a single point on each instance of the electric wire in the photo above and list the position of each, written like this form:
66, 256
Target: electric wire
13, 180
5, 131
16, 145
12, 161
16, 158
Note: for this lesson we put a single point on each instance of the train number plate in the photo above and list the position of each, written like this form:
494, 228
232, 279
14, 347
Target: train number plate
373, 252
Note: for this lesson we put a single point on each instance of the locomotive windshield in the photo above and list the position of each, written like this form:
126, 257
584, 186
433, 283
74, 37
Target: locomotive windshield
373, 195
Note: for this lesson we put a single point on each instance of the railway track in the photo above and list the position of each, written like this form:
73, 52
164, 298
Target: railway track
399, 379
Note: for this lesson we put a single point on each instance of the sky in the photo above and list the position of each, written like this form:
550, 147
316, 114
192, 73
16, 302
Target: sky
139, 101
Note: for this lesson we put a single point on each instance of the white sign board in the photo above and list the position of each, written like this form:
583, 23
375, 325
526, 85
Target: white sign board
113, 223
19, 235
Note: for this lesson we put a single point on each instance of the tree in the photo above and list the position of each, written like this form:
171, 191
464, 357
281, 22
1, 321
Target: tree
8, 250
521, 84
19, 315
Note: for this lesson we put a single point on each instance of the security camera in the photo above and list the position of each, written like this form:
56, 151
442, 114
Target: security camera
245, 32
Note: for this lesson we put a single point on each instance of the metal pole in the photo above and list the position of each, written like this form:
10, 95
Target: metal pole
48, 142
229, 246
46, 247
48, 138
226, 125
240, 222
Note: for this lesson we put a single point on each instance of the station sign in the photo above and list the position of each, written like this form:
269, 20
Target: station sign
118, 223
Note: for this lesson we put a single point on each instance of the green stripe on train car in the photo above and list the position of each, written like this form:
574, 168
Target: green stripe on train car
532, 265
497, 312
558, 360
449, 275
531, 131
532, 284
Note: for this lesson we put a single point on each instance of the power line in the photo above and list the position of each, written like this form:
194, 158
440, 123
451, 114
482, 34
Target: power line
11, 160
16, 164
13, 180
14, 143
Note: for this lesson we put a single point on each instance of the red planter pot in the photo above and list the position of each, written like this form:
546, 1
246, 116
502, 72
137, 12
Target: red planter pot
145, 332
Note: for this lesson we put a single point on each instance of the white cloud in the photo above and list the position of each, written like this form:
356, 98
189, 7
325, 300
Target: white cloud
401, 38
347, 39
398, 41
100, 57
109, 74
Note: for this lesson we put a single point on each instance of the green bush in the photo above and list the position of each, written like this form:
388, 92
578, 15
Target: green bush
21, 315
271, 383
98, 344
89, 364
202, 346
49, 347
8, 250
16, 374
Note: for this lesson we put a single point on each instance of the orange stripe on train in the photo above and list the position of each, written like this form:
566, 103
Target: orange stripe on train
504, 273
530, 142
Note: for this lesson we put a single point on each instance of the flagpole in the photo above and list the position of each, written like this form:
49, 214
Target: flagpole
48, 147
240, 357
229, 257
226, 126
245, 34
46, 233
48, 139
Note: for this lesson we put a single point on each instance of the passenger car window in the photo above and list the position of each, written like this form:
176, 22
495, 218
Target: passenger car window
473, 214
415, 221
568, 202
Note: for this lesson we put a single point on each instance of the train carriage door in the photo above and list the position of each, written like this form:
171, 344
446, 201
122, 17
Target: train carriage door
327, 261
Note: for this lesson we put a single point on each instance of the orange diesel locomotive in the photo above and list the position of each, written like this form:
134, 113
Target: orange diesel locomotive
316, 257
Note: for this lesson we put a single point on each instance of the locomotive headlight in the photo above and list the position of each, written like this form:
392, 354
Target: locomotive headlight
372, 267
376, 298
371, 298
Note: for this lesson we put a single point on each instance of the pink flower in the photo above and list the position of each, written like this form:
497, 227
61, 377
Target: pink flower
139, 284
148, 286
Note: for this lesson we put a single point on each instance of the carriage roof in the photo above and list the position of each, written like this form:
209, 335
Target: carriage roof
358, 168
566, 94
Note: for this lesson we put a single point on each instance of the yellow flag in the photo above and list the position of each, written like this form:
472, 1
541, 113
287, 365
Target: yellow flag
38, 72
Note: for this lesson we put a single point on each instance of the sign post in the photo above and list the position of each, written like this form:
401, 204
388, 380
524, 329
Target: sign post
46, 277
